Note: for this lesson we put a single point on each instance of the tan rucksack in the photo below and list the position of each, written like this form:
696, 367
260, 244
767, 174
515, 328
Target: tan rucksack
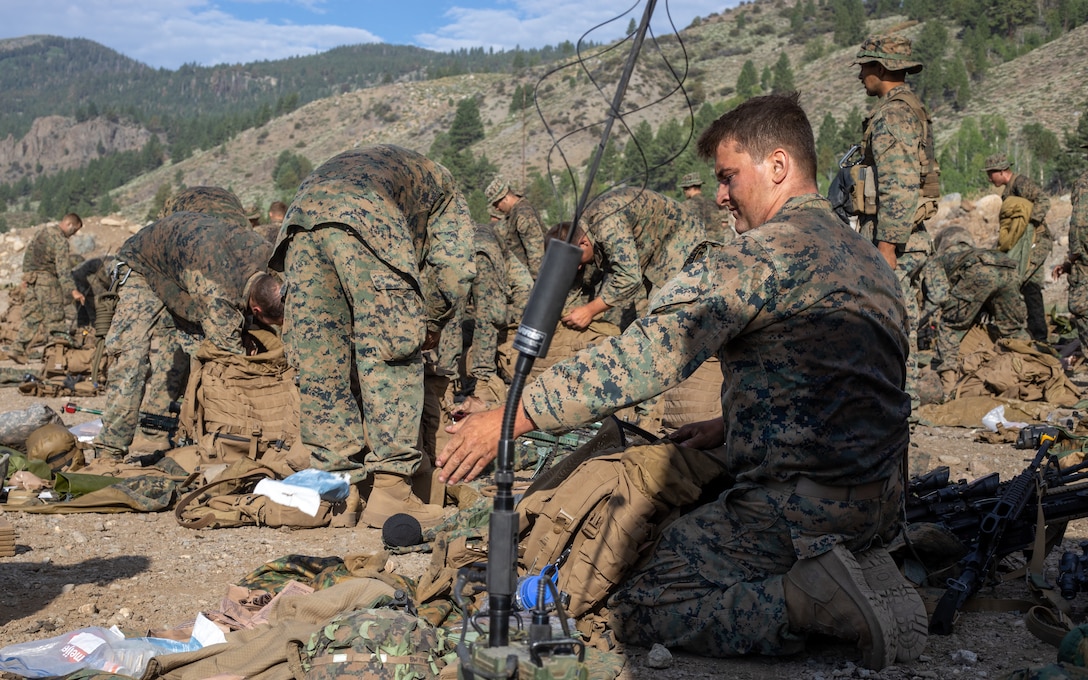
241, 406
607, 512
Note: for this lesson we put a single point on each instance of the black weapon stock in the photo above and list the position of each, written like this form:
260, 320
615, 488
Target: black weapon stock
1006, 510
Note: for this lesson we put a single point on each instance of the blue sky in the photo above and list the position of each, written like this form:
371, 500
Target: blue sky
169, 33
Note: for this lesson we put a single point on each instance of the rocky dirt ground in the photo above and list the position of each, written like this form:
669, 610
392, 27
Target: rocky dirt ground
143, 571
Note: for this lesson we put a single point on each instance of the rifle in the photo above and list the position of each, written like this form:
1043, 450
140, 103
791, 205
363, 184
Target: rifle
147, 421
994, 518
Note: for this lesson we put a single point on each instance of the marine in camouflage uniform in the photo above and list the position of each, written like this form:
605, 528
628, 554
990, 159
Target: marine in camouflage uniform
521, 232
47, 278
980, 281
642, 239
1076, 263
898, 144
185, 277
1000, 174
500, 292
377, 247
807, 320
717, 222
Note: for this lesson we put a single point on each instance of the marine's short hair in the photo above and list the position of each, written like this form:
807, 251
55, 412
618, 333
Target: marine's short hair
74, 219
265, 293
761, 125
559, 232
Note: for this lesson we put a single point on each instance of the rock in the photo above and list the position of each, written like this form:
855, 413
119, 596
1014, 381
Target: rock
88, 608
659, 657
17, 244
16, 426
965, 656
67, 588
112, 222
949, 460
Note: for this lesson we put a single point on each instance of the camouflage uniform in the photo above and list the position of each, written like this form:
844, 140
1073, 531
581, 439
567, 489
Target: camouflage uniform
713, 218
522, 235
185, 277
213, 201
980, 280
47, 273
377, 247
809, 325
1078, 255
500, 291
520, 231
644, 239
896, 144
1032, 288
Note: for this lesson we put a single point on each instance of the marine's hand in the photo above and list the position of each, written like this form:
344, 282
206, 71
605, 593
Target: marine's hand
474, 444
431, 341
1061, 269
78, 297
578, 318
705, 435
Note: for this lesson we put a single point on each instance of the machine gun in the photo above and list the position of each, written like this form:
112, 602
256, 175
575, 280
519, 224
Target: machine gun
995, 519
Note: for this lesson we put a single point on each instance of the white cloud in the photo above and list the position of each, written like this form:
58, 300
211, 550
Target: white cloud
169, 33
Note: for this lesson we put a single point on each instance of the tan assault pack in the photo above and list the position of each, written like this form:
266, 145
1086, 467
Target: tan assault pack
240, 406
599, 519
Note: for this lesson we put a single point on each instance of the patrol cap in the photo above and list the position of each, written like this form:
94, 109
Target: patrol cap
496, 190
893, 52
692, 179
998, 161
253, 212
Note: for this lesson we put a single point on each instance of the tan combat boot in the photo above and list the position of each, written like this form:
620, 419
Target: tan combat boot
392, 494
912, 623
829, 595
427, 486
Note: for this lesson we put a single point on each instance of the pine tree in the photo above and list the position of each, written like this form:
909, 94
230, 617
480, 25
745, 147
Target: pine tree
783, 76
467, 127
748, 81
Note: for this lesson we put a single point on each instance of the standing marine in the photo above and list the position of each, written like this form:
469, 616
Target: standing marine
377, 248
898, 146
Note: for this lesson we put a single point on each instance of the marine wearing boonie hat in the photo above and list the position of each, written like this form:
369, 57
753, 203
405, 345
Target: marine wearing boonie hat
496, 190
996, 162
893, 52
692, 179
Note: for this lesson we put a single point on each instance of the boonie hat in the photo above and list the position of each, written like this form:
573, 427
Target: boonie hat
998, 161
692, 179
893, 52
496, 190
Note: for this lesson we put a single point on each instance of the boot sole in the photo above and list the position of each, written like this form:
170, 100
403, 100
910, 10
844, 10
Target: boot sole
911, 620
